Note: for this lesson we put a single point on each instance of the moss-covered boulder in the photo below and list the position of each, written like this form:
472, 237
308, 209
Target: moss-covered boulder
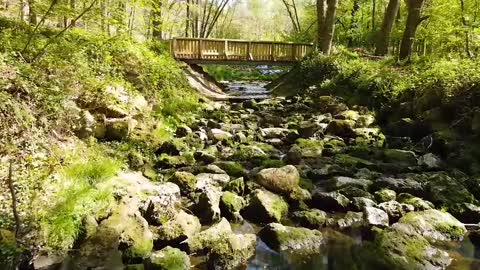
434, 225
282, 180
396, 250
385, 195
185, 180
444, 190
395, 210
204, 180
283, 238
230, 206
340, 182
359, 203
342, 128
205, 240
236, 186
207, 205
375, 217
168, 258
265, 206
403, 157
232, 252
330, 201
466, 212
176, 230
313, 219
418, 203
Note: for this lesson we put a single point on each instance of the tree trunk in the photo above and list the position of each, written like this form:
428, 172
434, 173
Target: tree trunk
414, 18
383, 36
328, 29
321, 10
72, 6
187, 20
32, 16
157, 20
374, 14
467, 30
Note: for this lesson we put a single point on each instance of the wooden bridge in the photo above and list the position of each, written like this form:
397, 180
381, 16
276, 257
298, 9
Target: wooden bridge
237, 52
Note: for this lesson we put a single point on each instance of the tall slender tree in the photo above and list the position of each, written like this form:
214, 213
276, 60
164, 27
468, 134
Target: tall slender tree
383, 35
327, 24
414, 19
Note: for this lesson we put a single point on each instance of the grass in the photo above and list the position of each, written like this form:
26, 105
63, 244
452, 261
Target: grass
77, 196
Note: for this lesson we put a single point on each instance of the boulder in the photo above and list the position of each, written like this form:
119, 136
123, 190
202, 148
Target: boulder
466, 212
360, 203
307, 129
204, 157
265, 206
313, 219
285, 238
385, 195
274, 133
434, 225
236, 185
282, 180
232, 252
394, 249
185, 180
218, 135
430, 162
230, 206
349, 220
395, 210
162, 205
118, 129
168, 148
205, 180
342, 128
401, 185
168, 258
418, 203
445, 190
375, 217
205, 240
176, 230
340, 182
207, 207
407, 158
330, 201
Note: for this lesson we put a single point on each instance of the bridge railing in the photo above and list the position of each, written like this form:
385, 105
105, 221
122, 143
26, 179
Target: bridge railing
222, 50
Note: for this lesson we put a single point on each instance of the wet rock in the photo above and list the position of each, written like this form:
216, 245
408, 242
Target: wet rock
283, 238
185, 180
385, 195
418, 203
282, 180
339, 182
232, 252
46, 262
176, 230
163, 204
352, 192
168, 258
168, 148
395, 250
375, 217
207, 207
466, 212
407, 158
264, 206
294, 155
395, 210
205, 240
430, 162
342, 128
360, 203
183, 131
434, 225
330, 201
313, 219
230, 206
212, 168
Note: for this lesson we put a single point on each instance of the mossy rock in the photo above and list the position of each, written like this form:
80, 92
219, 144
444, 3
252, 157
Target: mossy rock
419, 203
185, 180
385, 195
313, 219
168, 258
265, 206
236, 186
434, 225
283, 180
232, 252
205, 240
178, 229
284, 238
444, 190
230, 205
232, 168
399, 251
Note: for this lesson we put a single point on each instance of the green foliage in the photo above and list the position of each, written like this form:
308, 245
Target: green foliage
77, 196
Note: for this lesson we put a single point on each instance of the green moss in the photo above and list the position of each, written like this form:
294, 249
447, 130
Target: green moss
170, 259
273, 163
232, 168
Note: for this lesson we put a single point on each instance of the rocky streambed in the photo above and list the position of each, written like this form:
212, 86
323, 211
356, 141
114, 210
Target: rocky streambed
287, 184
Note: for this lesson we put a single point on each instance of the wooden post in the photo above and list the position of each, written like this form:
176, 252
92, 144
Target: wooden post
249, 51
272, 51
225, 50
200, 49
294, 52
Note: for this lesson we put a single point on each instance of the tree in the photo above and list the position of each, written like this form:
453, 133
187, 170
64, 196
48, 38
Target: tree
383, 35
293, 14
414, 19
326, 23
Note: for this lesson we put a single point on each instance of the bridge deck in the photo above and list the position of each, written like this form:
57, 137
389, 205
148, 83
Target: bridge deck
222, 51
